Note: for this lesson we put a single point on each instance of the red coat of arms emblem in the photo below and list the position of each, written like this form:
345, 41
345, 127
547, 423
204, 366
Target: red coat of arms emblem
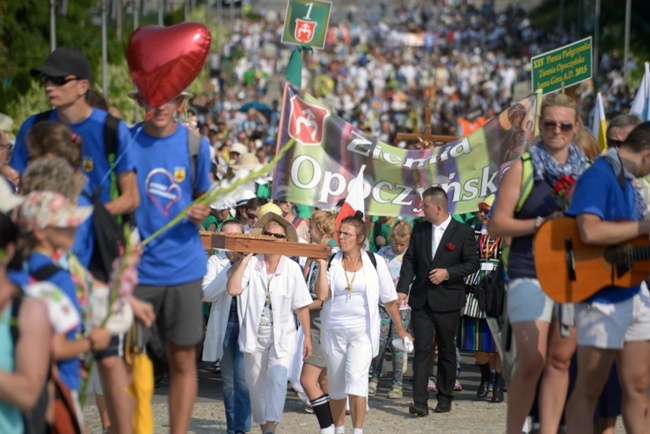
304, 31
307, 122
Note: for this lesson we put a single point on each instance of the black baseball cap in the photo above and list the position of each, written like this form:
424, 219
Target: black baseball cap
65, 61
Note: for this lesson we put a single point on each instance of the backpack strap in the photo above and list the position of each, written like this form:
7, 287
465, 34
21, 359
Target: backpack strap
371, 255
111, 126
527, 172
373, 259
14, 315
42, 117
193, 148
45, 272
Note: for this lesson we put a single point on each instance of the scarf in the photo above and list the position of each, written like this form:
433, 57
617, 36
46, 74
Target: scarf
546, 168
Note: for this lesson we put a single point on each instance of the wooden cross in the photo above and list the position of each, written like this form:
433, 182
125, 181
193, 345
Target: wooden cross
426, 139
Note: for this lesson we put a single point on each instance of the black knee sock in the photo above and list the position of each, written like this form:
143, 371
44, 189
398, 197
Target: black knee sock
321, 406
486, 373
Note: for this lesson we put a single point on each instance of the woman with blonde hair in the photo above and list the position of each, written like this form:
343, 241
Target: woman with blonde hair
543, 330
399, 237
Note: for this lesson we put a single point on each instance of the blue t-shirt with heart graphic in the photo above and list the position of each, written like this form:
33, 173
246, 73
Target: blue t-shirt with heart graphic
164, 180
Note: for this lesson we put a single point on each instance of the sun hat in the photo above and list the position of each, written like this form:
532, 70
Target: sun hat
247, 161
239, 148
65, 61
258, 227
43, 209
269, 207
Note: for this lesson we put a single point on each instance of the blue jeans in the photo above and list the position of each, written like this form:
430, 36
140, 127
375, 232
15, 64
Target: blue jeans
235, 392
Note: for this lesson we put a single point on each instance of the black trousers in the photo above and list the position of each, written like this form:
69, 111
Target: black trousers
424, 323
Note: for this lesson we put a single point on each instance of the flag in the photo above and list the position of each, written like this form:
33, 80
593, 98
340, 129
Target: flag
599, 126
354, 202
294, 68
641, 104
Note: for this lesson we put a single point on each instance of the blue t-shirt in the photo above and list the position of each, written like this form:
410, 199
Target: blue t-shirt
94, 165
164, 180
598, 192
68, 369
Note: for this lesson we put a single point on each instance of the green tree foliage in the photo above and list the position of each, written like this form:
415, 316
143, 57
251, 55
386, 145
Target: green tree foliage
25, 43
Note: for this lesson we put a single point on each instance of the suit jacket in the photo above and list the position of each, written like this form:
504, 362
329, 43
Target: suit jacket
460, 260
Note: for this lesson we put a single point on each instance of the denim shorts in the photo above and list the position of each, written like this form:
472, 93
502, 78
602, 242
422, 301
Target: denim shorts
527, 302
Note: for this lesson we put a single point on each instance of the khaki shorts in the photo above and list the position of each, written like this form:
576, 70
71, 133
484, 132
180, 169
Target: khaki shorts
178, 310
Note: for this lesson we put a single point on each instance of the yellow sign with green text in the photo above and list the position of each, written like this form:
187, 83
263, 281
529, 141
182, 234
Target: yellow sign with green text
566, 66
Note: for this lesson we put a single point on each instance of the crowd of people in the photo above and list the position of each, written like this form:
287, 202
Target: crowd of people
77, 290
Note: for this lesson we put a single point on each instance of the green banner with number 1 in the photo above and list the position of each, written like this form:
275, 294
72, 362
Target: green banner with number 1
306, 23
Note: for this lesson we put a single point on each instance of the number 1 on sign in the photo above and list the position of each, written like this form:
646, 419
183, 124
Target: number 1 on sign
307, 16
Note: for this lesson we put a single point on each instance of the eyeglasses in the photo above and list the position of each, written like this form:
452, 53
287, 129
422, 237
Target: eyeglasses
565, 127
345, 234
58, 81
274, 235
7, 146
614, 143
251, 216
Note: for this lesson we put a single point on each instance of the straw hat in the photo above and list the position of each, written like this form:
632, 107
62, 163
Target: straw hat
258, 227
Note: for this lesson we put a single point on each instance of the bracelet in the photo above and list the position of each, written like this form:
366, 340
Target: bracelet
538, 221
92, 344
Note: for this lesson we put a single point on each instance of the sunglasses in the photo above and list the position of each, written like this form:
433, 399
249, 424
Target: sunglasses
614, 143
565, 127
251, 216
58, 81
274, 235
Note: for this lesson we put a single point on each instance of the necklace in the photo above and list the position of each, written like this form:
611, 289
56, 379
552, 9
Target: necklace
354, 275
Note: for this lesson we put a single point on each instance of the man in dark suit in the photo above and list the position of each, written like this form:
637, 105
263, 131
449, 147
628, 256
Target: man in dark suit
441, 253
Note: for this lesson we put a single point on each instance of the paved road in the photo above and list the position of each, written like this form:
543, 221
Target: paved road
469, 414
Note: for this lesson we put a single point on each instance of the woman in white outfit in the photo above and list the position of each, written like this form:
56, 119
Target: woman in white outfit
270, 288
352, 285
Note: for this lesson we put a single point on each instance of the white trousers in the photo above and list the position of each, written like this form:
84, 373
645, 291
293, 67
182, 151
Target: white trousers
348, 356
266, 378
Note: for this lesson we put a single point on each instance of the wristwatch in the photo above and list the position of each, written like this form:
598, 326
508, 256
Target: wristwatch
538, 221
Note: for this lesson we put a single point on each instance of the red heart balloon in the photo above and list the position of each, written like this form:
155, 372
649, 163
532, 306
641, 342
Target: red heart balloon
163, 61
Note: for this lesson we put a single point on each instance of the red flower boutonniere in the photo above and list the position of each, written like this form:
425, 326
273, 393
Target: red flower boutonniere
563, 188
449, 247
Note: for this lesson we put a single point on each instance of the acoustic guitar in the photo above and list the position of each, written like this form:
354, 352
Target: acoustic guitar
570, 271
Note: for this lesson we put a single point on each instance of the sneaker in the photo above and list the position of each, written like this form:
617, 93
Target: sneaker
458, 387
372, 386
395, 392
309, 409
431, 387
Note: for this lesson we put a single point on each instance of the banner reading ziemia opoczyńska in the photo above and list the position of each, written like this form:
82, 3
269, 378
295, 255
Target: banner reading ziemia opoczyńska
328, 153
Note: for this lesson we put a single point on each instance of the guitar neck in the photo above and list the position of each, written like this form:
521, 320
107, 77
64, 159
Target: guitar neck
625, 255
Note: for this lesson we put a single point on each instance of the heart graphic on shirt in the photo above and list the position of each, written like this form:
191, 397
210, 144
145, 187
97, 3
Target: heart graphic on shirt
162, 190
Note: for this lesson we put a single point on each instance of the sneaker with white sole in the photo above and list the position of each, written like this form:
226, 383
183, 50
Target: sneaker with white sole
372, 386
431, 386
457, 386
395, 393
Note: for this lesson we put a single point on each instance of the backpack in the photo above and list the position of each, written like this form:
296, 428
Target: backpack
491, 292
65, 415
